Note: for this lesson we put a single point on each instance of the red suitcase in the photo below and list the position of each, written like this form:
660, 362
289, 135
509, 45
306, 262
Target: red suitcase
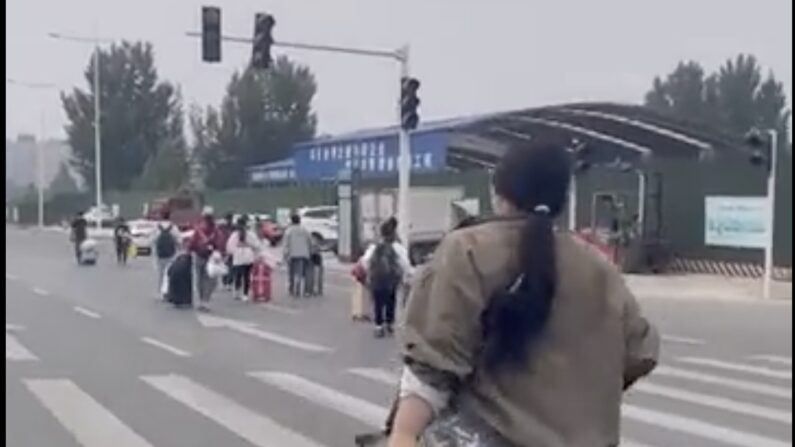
261, 274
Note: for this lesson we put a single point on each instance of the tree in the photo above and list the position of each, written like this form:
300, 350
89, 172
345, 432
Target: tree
683, 93
63, 183
733, 99
261, 116
141, 115
165, 170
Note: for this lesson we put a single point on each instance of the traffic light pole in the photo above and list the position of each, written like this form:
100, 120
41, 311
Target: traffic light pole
771, 214
404, 143
404, 160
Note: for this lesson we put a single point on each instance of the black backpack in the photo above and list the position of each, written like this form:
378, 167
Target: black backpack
384, 270
165, 244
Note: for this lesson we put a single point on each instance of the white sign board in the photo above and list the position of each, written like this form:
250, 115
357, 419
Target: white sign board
283, 216
735, 221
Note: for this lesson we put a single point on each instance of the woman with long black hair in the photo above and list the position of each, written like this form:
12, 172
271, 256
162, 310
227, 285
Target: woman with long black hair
516, 333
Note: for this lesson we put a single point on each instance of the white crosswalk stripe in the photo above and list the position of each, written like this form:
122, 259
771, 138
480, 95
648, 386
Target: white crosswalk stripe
667, 402
90, 423
708, 400
359, 409
666, 420
737, 384
251, 426
16, 352
739, 367
699, 428
775, 359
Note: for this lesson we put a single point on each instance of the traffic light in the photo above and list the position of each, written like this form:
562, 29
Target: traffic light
409, 102
263, 39
760, 149
211, 34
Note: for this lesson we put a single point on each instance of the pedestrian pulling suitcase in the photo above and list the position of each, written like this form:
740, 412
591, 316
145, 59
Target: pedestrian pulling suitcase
180, 281
261, 274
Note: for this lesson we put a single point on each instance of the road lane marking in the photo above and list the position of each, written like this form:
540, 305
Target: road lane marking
739, 367
718, 402
377, 375
243, 327
40, 291
16, 352
165, 346
249, 425
10, 327
682, 340
699, 428
11, 277
280, 309
86, 312
354, 407
737, 384
87, 420
786, 361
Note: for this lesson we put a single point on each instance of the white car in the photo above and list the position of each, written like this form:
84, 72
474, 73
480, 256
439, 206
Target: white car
323, 223
143, 234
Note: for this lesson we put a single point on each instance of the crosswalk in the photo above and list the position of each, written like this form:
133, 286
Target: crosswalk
699, 399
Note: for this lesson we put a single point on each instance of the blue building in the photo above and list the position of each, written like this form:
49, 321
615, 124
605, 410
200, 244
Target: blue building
373, 152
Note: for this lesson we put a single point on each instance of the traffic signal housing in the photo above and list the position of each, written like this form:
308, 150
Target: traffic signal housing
409, 103
211, 34
760, 149
263, 40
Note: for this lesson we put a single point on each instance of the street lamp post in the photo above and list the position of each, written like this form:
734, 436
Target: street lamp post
97, 115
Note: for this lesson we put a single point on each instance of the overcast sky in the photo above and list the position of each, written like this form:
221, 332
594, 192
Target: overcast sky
471, 55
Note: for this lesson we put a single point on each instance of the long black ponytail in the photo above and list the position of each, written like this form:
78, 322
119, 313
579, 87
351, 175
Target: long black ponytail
535, 181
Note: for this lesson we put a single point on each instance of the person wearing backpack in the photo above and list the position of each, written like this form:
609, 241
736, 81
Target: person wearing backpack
387, 264
165, 246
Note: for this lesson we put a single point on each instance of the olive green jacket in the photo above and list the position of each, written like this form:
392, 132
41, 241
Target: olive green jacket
595, 344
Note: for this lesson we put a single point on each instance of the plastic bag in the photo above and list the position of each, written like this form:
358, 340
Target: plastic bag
216, 267
164, 285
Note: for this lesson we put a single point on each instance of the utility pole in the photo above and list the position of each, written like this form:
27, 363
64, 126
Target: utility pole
97, 118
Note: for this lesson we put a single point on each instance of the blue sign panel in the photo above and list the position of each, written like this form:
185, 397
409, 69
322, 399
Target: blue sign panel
373, 157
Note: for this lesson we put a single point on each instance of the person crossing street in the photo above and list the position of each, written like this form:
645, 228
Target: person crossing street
165, 247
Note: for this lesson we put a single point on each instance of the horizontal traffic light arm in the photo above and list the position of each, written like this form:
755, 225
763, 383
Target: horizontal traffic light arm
398, 55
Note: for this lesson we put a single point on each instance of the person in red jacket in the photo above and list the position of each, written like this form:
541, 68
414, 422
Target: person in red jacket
206, 239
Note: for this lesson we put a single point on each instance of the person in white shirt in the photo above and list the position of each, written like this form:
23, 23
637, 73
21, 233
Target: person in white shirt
388, 267
244, 247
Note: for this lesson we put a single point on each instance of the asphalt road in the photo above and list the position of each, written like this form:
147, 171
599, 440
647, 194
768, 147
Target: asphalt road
94, 360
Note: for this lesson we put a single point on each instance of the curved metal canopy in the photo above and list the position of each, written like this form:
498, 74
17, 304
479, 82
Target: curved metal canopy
610, 131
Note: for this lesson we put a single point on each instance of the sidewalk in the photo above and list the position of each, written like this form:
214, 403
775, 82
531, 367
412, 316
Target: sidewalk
685, 287
709, 287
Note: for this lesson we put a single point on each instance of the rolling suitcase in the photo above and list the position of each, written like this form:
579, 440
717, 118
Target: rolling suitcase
361, 303
261, 282
180, 281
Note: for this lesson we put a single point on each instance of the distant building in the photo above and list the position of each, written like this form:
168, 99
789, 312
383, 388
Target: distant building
21, 159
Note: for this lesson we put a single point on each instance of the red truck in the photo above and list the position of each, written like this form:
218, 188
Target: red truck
184, 209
